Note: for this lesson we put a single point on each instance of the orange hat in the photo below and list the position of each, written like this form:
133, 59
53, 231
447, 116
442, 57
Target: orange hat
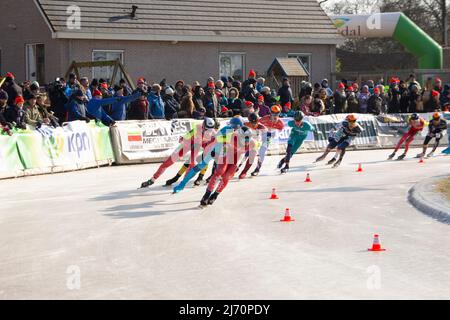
19, 99
351, 118
249, 104
104, 86
252, 74
141, 81
275, 109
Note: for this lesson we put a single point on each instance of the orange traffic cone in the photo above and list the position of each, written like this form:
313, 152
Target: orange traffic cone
360, 169
287, 216
273, 195
376, 246
308, 179
421, 160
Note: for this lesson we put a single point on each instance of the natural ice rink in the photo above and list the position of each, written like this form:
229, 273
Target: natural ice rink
92, 235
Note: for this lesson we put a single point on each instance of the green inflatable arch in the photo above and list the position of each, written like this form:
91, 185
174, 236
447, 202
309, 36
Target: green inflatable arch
398, 26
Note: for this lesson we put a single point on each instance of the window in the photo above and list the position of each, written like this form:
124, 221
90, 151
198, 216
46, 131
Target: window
232, 64
35, 62
106, 55
304, 58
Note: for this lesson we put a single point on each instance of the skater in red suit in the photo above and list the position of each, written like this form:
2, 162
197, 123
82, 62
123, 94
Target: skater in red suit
416, 125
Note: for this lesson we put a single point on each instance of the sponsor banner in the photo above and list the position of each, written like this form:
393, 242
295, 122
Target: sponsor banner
10, 164
153, 140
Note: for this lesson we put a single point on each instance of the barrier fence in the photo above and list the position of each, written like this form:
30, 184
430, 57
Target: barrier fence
78, 145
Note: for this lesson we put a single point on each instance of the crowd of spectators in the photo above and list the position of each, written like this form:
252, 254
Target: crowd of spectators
78, 99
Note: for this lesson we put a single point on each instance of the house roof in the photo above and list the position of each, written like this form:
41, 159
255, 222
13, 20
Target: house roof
253, 21
290, 67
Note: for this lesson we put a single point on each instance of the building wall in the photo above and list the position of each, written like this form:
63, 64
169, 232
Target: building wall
30, 28
198, 61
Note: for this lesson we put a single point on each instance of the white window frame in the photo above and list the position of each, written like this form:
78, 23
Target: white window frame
309, 55
244, 61
27, 58
106, 50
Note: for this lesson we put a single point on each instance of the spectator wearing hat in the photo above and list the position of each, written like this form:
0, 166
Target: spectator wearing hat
404, 97
210, 101
412, 82
261, 107
15, 114
139, 109
371, 85
375, 102
222, 100
340, 99
58, 99
438, 85
187, 105
77, 107
95, 107
415, 100
171, 105
325, 85
433, 104
197, 98
126, 88
34, 117
156, 103
269, 99
445, 96
12, 88
260, 83
394, 96
285, 93
120, 107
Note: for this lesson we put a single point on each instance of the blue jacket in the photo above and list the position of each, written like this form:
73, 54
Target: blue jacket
156, 109
76, 110
94, 108
119, 108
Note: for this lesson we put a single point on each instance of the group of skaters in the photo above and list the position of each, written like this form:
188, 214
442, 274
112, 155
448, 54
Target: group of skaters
244, 142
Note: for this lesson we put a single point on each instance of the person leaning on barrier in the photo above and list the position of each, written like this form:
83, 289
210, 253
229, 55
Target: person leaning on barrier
77, 107
139, 108
58, 99
49, 118
34, 117
15, 114
4, 125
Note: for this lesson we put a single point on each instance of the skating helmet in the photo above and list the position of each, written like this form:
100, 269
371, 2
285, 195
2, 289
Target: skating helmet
275, 110
436, 116
351, 118
209, 123
414, 116
298, 116
253, 117
236, 122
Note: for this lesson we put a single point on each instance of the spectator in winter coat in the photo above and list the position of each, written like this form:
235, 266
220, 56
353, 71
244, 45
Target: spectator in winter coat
285, 93
199, 114
305, 90
246, 84
197, 98
178, 95
415, 100
222, 100
187, 105
72, 85
120, 107
326, 86
31, 109
260, 83
84, 86
269, 100
433, 104
77, 107
383, 97
445, 96
340, 99
139, 109
352, 101
95, 107
318, 107
156, 103
126, 89
404, 97
49, 118
4, 125
363, 98
15, 114
375, 102
325, 100
306, 105
412, 82
394, 97
12, 88
210, 101
171, 105
234, 103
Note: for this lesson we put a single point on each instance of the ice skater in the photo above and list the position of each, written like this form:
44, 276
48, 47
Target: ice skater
300, 130
416, 125
273, 123
241, 143
217, 147
436, 129
341, 138
193, 142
